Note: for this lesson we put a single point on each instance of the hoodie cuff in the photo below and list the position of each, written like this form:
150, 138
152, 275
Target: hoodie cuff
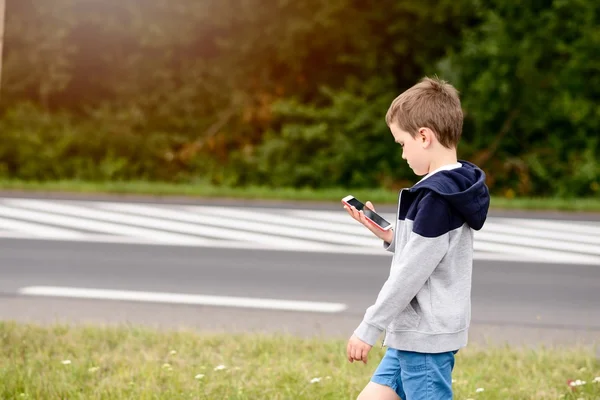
391, 246
368, 333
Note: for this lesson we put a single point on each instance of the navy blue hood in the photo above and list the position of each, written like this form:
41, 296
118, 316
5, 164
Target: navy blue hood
464, 189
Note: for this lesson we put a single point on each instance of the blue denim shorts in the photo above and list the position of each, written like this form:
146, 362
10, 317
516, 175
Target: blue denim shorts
417, 376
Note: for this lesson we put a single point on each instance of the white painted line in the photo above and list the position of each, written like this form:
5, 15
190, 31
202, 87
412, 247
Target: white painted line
217, 244
19, 235
341, 217
483, 251
348, 226
541, 255
565, 227
497, 227
39, 229
542, 244
80, 223
265, 226
156, 222
178, 298
502, 239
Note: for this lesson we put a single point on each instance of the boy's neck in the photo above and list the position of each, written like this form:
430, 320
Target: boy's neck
443, 159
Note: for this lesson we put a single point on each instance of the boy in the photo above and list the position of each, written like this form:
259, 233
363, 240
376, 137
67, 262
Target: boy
424, 307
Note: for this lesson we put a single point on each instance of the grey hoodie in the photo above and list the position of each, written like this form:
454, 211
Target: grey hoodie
425, 304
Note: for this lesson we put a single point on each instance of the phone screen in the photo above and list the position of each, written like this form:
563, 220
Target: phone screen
373, 216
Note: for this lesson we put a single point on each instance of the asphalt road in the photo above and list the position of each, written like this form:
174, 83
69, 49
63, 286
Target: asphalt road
524, 303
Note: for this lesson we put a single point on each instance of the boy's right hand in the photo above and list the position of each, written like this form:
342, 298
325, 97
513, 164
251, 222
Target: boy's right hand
360, 217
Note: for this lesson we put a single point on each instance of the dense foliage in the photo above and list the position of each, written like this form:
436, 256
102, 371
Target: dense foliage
294, 93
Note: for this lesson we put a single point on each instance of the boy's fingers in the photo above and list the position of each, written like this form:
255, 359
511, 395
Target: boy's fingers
362, 216
364, 220
349, 352
370, 205
352, 355
350, 211
365, 353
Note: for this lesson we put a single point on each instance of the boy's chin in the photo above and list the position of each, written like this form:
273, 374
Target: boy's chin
417, 172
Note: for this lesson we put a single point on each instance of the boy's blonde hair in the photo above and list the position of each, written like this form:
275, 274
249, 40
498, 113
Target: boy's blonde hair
432, 103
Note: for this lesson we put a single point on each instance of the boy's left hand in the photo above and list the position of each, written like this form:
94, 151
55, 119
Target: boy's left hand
357, 350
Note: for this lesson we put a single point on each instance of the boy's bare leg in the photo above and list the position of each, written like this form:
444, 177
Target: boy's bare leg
375, 391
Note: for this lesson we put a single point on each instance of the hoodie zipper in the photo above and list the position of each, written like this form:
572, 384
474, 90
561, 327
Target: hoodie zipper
395, 233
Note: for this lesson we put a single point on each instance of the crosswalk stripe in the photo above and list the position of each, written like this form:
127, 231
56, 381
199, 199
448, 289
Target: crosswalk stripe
498, 227
38, 229
230, 222
158, 223
21, 235
300, 221
328, 231
565, 227
535, 253
549, 244
80, 223
341, 217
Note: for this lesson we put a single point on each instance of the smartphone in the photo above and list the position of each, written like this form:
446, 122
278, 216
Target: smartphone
372, 216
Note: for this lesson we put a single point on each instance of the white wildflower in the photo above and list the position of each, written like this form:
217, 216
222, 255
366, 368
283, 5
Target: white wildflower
220, 367
167, 367
577, 383
173, 352
66, 362
597, 379
479, 390
199, 376
93, 369
315, 380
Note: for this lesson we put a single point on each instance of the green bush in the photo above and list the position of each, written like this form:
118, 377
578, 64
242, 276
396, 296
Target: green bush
295, 94
40, 146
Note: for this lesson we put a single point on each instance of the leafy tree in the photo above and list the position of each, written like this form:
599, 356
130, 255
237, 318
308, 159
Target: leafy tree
530, 84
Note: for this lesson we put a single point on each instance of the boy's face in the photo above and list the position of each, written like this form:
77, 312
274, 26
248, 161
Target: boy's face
413, 150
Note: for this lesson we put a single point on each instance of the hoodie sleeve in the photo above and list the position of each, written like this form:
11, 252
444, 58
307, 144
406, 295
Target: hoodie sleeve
426, 247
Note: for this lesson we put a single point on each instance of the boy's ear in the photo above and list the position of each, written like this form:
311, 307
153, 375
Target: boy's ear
425, 137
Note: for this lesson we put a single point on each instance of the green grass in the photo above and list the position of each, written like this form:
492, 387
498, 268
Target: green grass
204, 190
86, 362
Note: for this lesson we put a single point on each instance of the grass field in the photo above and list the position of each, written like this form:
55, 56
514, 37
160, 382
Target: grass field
204, 190
85, 362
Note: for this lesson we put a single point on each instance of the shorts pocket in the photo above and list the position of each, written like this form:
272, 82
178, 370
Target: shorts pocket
412, 362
